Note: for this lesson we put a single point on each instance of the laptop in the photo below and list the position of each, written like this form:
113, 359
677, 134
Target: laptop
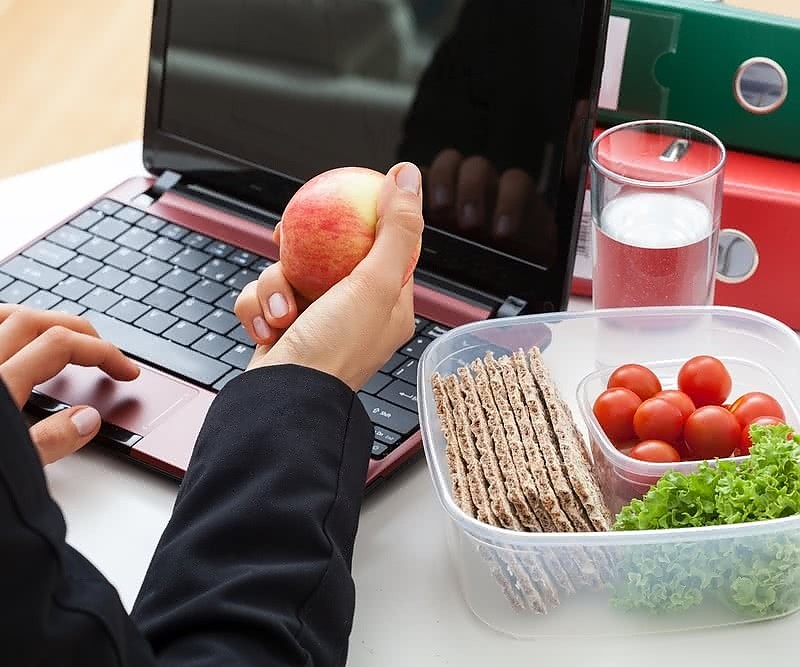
493, 99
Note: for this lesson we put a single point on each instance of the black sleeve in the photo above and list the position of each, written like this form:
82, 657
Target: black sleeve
254, 566
252, 569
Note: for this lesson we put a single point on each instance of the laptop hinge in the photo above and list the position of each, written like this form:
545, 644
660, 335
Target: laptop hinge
511, 307
164, 183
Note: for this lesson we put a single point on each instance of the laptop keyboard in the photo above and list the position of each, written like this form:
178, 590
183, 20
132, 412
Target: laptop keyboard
165, 295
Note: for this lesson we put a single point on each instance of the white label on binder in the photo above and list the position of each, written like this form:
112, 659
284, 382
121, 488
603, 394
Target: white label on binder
616, 46
583, 255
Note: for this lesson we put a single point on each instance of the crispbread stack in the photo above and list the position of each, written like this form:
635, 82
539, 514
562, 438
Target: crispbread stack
517, 461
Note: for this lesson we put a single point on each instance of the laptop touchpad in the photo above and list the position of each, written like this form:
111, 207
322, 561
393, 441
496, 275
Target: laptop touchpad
137, 406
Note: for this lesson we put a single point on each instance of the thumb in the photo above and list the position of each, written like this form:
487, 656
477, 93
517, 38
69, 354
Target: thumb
398, 236
65, 432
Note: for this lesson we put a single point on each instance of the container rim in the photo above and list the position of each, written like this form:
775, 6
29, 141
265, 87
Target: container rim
626, 180
489, 534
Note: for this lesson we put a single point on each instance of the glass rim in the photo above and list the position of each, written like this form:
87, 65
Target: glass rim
627, 180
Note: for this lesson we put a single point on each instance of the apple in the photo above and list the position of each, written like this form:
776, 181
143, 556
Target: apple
328, 227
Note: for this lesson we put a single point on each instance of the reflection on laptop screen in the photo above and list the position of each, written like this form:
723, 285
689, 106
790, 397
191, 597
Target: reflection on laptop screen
477, 92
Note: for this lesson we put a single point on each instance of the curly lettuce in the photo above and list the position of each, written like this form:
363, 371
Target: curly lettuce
753, 576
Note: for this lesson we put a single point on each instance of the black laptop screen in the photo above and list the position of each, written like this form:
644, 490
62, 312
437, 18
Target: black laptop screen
488, 97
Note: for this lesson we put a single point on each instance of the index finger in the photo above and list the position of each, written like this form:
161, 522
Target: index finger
398, 236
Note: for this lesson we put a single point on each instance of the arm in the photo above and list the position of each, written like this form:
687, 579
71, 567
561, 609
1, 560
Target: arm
254, 566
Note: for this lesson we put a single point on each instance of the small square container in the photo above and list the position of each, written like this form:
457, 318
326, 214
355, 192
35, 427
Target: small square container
633, 582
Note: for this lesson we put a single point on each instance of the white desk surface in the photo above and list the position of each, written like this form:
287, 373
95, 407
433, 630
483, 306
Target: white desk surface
409, 610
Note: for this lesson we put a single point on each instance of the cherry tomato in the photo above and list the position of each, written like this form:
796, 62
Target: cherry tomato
639, 379
756, 404
712, 432
746, 442
657, 419
614, 409
655, 451
706, 380
679, 400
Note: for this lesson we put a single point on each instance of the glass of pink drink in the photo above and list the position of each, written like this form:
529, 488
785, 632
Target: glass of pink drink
656, 205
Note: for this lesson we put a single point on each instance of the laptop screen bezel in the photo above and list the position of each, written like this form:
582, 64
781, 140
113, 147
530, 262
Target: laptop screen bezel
542, 289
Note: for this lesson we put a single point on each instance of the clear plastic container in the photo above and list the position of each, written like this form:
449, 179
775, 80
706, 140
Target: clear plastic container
624, 582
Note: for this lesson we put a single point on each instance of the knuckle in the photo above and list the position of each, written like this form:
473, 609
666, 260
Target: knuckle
58, 335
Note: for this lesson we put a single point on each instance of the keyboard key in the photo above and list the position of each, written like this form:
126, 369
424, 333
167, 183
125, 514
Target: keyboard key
125, 259
81, 267
386, 437
213, 345
70, 308
260, 264
159, 351
192, 310
110, 228
73, 288
393, 363
436, 330
190, 259
420, 323
86, 219
98, 248
376, 383
379, 450
408, 371
242, 258
151, 223
385, 414
242, 278
196, 241
218, 269
220, 321
109, 277
162, 248
42, 300
155, 321
129, 214
69, 237
136, 288
16, 292
402, 394
230, 376
240, 335
173, 232
49, 253
164, 298
219, 249
100, 299
416, 346
5, 280
208, 290
228, 301
136, 238
107, 206
179, 279
184, 333
151, 268
32, 272
128, 310
239, 356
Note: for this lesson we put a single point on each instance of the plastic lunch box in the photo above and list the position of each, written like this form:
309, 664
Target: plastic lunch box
581, 349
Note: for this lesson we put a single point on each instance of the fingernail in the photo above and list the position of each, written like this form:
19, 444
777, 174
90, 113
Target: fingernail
261, 327
441, 196
469, 216
278, 307
409, 178
504, 226
87, 421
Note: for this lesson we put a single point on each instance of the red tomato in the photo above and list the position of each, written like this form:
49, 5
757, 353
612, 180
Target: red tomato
639, 379
679, 400
754, 405
746, 442
706, 380
657, 419
712, 432
614, 409
655, 451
